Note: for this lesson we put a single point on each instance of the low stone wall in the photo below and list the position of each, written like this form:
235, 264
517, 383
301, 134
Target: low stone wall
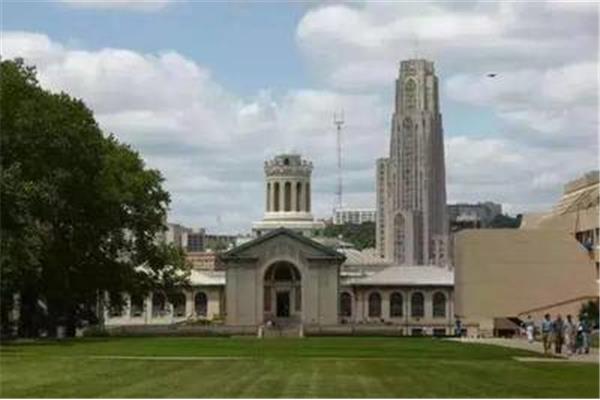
364, 330
181, 330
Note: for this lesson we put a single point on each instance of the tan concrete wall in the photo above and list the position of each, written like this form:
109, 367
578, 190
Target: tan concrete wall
503, 272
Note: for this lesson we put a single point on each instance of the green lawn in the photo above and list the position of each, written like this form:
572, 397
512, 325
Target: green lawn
311, 367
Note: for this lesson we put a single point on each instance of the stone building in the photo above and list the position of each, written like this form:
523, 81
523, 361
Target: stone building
412, 225
288, 276
288, 196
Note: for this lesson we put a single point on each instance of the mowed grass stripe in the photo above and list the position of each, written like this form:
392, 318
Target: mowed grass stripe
312, 367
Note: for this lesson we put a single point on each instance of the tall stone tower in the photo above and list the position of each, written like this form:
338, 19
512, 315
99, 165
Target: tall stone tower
412, 225
288, 196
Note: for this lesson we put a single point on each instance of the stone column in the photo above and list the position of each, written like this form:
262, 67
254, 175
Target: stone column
272, 197
281, 195
307, 196
268, 197
293, 194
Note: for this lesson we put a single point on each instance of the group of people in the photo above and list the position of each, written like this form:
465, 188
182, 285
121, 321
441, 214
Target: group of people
575, 337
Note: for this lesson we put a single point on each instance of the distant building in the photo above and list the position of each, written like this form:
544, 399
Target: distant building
576, 213
412, 228
549, 265
203, 260
195, 241
354, 215
472, 216
288, 197
186, 238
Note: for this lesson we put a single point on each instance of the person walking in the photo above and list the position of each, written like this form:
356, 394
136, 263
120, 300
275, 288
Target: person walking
529, 328
585, 329
558, 333
546, 333
570, 332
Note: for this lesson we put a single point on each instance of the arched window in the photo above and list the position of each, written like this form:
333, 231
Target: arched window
345, 304
396, 305
116, 305
201, 304
439, 305
374, 305
410, 94
137, 306
417, 305
298, 196
179, 305
159, 305
276, 196
287, 194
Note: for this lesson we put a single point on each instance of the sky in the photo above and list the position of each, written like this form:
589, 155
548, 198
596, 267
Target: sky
206, 91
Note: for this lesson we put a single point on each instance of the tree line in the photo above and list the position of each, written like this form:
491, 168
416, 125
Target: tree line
81, 214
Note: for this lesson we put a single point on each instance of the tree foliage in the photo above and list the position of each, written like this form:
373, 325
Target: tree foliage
81, 214
591, 311
505, 221
362, 236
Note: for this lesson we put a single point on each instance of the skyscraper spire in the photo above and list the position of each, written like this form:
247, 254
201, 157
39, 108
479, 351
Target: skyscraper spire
411, 184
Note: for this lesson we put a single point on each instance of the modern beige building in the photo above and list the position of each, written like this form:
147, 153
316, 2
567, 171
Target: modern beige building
550, 265
412, 223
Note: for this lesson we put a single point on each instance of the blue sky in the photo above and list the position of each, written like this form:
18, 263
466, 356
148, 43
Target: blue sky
218, 87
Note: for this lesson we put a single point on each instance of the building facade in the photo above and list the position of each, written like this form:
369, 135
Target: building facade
354, 215
288, 196
472, 216
411, 185
287, 276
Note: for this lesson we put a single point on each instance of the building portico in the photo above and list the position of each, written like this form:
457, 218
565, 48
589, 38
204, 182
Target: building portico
282, 275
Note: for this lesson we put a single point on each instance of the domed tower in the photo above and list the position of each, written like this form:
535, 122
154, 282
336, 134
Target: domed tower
288, 196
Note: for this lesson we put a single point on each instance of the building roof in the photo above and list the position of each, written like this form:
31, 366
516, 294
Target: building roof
361, 258
327, 251
207, 278
418, 275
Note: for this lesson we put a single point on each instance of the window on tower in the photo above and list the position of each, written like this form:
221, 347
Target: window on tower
410, 94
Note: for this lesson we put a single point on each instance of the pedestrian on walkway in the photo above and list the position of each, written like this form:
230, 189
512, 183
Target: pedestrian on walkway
558, 333
584, 329
570, 333
546, 333
529, 328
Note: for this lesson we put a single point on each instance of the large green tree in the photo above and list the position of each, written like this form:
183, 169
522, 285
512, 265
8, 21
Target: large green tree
81, 213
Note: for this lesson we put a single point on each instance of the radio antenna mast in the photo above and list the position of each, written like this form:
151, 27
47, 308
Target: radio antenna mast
338, 121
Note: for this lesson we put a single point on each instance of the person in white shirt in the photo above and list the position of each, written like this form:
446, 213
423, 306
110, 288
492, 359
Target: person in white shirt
529, 328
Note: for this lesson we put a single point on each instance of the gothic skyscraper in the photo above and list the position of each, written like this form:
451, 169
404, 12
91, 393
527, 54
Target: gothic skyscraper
412, 224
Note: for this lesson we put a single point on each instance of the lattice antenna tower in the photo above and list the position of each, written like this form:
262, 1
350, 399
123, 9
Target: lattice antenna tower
338, 121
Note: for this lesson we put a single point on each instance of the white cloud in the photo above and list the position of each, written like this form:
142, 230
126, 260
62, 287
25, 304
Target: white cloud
131, 5
210, 143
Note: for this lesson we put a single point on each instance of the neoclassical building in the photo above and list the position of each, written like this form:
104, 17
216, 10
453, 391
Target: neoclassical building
289, 276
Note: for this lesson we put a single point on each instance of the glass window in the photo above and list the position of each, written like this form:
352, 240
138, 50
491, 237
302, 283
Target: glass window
159, 305
396, 305
439, 305
201, 304
375, 305
179, 305
417, 305
345, 304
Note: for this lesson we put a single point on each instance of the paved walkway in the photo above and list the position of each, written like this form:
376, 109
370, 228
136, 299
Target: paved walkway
537, 347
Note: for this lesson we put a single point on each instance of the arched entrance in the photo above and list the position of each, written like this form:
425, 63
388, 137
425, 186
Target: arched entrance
282, 292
